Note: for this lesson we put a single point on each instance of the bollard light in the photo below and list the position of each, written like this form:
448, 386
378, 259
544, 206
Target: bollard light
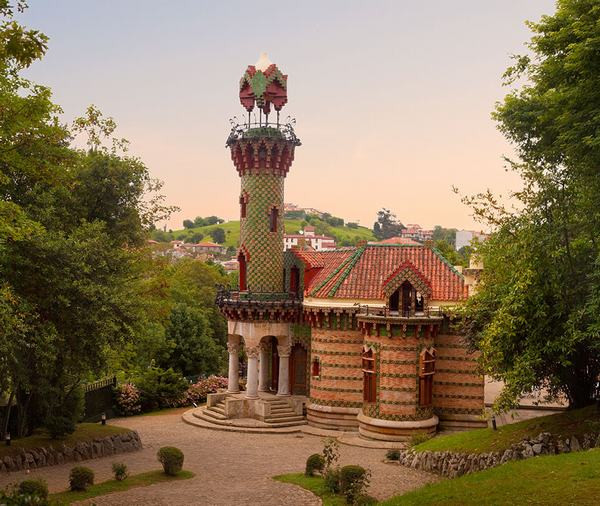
103, 418
494, 422
7, 439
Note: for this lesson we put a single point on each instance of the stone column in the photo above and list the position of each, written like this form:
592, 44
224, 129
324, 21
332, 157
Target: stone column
263, 368
283, 387
252, 376
233, 384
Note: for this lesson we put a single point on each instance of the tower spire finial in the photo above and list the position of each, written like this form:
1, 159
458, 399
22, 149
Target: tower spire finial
263, 62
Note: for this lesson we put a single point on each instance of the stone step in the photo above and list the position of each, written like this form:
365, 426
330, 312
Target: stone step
210, 412
282, 415
207, 416
284, 419
277, 409
218, 409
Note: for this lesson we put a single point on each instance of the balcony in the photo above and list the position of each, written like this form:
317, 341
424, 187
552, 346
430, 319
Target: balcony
254, 130
431, 314
248, 305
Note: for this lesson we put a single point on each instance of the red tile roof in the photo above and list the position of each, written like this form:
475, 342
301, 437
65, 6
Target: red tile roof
361, 273
397, 240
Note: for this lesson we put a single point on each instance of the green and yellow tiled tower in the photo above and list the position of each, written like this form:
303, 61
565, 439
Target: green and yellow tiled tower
262, 153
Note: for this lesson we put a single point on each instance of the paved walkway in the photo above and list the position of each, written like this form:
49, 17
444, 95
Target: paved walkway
231, 468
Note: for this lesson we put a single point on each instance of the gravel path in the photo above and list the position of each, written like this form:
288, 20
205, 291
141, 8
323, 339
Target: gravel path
230, 467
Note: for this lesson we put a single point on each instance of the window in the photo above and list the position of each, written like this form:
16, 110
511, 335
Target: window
242, 262
426, 372
369, 378
316, 368
294, 280
243, 201
273, 219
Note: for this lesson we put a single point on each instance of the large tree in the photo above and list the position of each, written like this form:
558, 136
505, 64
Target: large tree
71, 225
536, 317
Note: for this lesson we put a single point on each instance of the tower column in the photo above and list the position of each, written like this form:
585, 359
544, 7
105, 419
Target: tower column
252, 377
283, 387
233, 383
263, 368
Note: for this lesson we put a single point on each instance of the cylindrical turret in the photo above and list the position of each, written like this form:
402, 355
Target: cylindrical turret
262, 154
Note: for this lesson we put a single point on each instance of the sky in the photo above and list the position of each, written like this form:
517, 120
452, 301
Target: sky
392, 99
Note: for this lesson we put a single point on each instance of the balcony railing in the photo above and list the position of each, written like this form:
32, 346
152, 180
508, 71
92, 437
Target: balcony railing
250, 130
225, 294
385, 312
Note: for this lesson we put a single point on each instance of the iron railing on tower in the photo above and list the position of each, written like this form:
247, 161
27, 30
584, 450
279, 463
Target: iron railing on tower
253, 129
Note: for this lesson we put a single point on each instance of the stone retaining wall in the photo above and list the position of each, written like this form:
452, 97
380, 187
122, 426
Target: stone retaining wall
453, 464
95, 448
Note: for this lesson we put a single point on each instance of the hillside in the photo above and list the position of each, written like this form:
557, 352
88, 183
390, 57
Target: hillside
344, 236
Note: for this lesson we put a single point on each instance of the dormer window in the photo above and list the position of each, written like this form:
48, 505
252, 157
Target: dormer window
273, 217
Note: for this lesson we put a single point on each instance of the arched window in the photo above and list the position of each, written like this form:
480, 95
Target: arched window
273, 219
242, 271
369, 377
294, 280
426, 372
315, 368
243, 202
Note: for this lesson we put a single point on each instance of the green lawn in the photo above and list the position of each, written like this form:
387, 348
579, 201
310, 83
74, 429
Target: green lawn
112, 486
83, 432
315, 484
568, 423
232, 232
570, 478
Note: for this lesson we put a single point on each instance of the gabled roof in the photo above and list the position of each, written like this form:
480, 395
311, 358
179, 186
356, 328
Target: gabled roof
361, 273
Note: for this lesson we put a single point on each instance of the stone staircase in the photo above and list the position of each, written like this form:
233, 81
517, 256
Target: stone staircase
281, 415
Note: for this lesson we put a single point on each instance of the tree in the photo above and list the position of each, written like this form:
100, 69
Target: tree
218, 235
444, 234
72, 223
188, 224
536, 316
194, 350
386, 225
194, 238
199, 221
214, 220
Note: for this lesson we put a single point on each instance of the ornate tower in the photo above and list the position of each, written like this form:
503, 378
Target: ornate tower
262, 153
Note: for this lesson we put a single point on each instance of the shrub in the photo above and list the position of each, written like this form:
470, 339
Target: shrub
81, 478
120, 471
127, 399
160, 388
354, 481
331, 452
14, 497
198, 391
393, 455
171, 459
332, 479
65, 410
315, 462
37, 488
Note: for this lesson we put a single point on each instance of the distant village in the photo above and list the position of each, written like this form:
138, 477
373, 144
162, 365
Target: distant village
306, 238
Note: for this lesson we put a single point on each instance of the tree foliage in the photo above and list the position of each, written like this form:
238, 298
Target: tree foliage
536, 317
387, 225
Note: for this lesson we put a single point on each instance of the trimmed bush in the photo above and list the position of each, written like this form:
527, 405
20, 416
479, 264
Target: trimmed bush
81, 478
332, 480
393, 455
171, 459
120, 471
127, 399
418, 438
354, 481
37, 488
316, 462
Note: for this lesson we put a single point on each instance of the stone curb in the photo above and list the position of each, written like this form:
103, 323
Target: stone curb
453, 464
98, 447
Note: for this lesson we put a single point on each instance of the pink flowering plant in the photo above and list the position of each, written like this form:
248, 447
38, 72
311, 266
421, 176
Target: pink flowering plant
198, 391
127, 399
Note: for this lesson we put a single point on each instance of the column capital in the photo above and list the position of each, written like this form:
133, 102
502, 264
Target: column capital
263, 346
233, 348
253, 351
284, 350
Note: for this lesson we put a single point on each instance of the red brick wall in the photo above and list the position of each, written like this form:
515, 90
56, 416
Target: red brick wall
457, 384
341, 379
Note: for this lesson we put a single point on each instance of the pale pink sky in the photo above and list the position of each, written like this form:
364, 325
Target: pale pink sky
392, 98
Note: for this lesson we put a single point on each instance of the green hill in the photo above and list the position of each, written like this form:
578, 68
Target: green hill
344, 236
